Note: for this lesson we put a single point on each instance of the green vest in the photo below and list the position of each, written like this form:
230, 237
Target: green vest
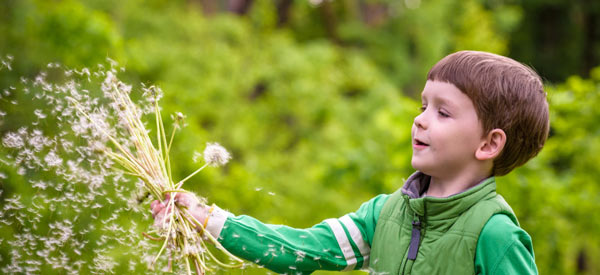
443, 231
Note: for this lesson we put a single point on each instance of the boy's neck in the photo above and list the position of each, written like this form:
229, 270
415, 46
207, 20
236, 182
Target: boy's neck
444, 187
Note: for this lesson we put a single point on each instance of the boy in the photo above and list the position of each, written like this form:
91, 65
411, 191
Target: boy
482, 116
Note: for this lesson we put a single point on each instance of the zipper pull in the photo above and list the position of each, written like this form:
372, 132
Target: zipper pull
415, 239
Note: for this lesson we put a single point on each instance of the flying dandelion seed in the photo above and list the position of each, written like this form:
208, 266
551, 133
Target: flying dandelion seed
6, 62
196, 156
39, 114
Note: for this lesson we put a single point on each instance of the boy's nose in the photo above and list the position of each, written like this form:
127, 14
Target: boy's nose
420, 121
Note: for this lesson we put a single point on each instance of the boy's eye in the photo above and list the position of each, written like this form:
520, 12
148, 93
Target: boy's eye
443, 114
423, 108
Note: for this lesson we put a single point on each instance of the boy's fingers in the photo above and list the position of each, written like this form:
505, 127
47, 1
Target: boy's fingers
190, 201
157, 208
153, 204
159, 215
187, 200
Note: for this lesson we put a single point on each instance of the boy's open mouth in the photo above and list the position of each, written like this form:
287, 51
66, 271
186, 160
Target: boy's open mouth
420, 143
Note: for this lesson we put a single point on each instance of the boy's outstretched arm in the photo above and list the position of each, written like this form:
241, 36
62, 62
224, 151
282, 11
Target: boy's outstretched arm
334, 244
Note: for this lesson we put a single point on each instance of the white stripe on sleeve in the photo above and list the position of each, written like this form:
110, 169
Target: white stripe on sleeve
216, 221
343, 242
356, 236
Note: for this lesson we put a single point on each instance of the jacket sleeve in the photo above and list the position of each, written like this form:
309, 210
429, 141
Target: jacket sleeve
334, 244
504, 248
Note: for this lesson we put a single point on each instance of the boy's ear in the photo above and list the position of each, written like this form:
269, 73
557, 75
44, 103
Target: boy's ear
492, 145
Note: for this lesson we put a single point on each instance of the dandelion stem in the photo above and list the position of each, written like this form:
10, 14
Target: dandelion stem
171, 140
212, 256
180, 183
212, 239
177, 191
187, 266
156, 116
164, 140
198, 270
168, 150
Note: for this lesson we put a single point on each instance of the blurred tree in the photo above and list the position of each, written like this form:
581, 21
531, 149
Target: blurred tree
558, 32
240, 7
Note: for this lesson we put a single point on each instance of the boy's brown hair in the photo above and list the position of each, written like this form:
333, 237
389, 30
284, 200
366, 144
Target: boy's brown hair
507, 95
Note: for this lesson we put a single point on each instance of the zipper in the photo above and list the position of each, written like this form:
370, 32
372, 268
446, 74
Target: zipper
415, 238
413, 247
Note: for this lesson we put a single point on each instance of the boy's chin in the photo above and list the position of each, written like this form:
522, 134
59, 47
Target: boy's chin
416, 163
421, 167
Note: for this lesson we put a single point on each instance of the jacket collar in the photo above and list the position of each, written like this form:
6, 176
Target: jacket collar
448, 207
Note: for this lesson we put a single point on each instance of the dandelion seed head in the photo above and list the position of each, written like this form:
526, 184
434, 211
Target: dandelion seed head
124, 87
178, 120
179, 116
215, 155
152, 94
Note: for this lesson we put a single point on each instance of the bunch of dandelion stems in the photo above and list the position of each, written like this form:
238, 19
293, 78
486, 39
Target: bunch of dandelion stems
154, 169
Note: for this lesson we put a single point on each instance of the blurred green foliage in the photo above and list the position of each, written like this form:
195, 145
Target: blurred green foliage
316, 106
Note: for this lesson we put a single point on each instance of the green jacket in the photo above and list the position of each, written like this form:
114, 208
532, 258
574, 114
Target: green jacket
427, 235
346, 243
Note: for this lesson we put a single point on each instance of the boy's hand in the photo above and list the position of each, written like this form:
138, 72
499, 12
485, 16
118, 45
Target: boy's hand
196, 208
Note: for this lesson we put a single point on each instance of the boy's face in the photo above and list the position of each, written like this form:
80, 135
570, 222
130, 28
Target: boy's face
447, 133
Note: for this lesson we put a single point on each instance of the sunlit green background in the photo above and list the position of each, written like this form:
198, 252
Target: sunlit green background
315, 99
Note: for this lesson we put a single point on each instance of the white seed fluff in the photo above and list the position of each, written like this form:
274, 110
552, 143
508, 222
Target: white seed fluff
52, 159
12, 140
215, 155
